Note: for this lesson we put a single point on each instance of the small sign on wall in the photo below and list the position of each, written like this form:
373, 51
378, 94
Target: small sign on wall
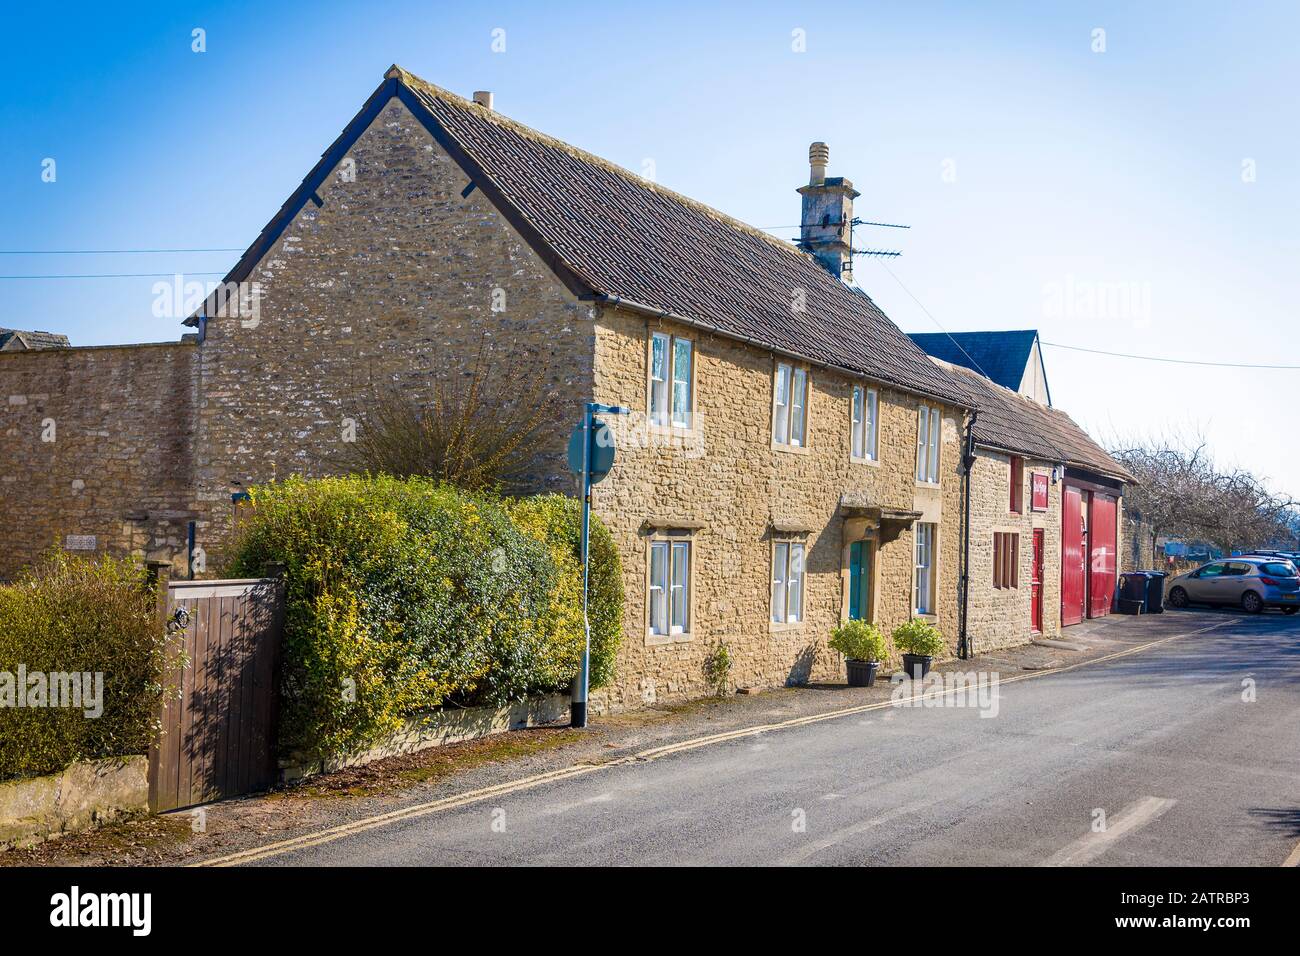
81, 542
1039, 502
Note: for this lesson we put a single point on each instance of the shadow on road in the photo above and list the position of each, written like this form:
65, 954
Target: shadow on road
1282, 820
1265, 648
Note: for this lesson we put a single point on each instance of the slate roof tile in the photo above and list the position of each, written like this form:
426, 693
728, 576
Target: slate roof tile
630, 239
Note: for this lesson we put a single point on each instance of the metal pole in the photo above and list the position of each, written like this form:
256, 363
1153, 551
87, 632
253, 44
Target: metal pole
964, 643
578, 706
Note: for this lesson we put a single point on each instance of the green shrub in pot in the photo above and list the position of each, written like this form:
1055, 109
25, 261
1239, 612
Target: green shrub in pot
864, 646
920, 641
859, 641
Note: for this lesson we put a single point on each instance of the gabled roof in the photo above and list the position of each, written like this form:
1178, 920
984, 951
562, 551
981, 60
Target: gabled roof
1001, 356
1008, 421
614, 237
18, 340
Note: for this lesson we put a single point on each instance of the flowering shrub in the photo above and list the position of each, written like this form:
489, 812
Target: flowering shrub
404, 595
85, 638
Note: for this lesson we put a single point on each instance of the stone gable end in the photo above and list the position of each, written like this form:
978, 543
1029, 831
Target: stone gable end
395, 280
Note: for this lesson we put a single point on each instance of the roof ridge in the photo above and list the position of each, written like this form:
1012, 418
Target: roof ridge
1054, 416
981, 332
419, 83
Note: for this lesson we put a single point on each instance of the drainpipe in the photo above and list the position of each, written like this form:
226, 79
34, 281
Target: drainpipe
964, 648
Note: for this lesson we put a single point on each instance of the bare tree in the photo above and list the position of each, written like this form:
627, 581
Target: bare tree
1181, 493
482, 430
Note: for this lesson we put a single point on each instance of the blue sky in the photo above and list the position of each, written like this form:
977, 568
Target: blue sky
1139, 199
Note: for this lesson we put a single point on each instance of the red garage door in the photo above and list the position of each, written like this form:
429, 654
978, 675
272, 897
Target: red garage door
1101, 564
1071, 555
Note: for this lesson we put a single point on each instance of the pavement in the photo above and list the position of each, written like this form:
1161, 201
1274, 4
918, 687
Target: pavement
1178, 743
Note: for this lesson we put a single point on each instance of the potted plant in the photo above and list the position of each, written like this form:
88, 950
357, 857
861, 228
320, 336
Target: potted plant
863, 646
919, 641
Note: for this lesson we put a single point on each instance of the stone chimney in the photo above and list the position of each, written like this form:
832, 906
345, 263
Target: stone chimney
826, 227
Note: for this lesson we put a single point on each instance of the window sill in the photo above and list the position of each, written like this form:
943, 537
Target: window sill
873, 462
929, 485
782, 627
792, 449
930, 616
659, 640
686, 430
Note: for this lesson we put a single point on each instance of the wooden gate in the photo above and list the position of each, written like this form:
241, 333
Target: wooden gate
218, 733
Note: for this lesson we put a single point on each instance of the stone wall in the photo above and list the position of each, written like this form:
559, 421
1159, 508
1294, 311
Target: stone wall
82, 795
1001, 617
1136, 547
96, 443
394, 282
725, 484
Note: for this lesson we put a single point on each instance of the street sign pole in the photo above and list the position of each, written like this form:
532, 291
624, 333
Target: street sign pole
581, 684
578, 707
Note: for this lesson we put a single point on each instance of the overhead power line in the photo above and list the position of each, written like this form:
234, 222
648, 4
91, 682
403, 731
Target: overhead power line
1173, 361
1079, 348
119, 275
974, 364
103, 252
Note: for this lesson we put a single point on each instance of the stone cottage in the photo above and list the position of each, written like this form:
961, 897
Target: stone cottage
792, 459
1037, 480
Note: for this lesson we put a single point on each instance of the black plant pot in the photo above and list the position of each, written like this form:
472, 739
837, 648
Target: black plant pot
862, 673
917, 666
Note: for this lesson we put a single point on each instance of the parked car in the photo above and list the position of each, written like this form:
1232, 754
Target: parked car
1272, 556
1251, 583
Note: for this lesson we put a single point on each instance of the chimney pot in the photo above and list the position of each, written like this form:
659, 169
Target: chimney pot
819, 157
826, 230
483, 98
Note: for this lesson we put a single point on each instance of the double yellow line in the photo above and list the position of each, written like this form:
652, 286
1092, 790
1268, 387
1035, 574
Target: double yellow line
331, 834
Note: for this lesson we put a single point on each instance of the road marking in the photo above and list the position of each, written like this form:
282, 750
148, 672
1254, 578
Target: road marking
331, 834
839, 836
1294, 858
1133, 817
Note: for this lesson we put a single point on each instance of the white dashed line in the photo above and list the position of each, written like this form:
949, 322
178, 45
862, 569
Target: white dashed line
1133, 817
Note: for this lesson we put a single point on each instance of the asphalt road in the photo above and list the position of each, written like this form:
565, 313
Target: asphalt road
1186, 771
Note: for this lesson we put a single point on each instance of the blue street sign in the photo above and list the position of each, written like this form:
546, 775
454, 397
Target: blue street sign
601, 454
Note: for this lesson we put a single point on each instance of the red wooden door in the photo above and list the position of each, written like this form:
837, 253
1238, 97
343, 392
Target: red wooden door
1071, 555
1101, 564
1036, 584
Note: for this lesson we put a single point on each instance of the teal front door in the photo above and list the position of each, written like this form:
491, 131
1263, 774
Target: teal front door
860, 581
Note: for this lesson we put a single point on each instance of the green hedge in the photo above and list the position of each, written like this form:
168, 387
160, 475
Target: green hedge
71, 615
404, 595
557, 520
